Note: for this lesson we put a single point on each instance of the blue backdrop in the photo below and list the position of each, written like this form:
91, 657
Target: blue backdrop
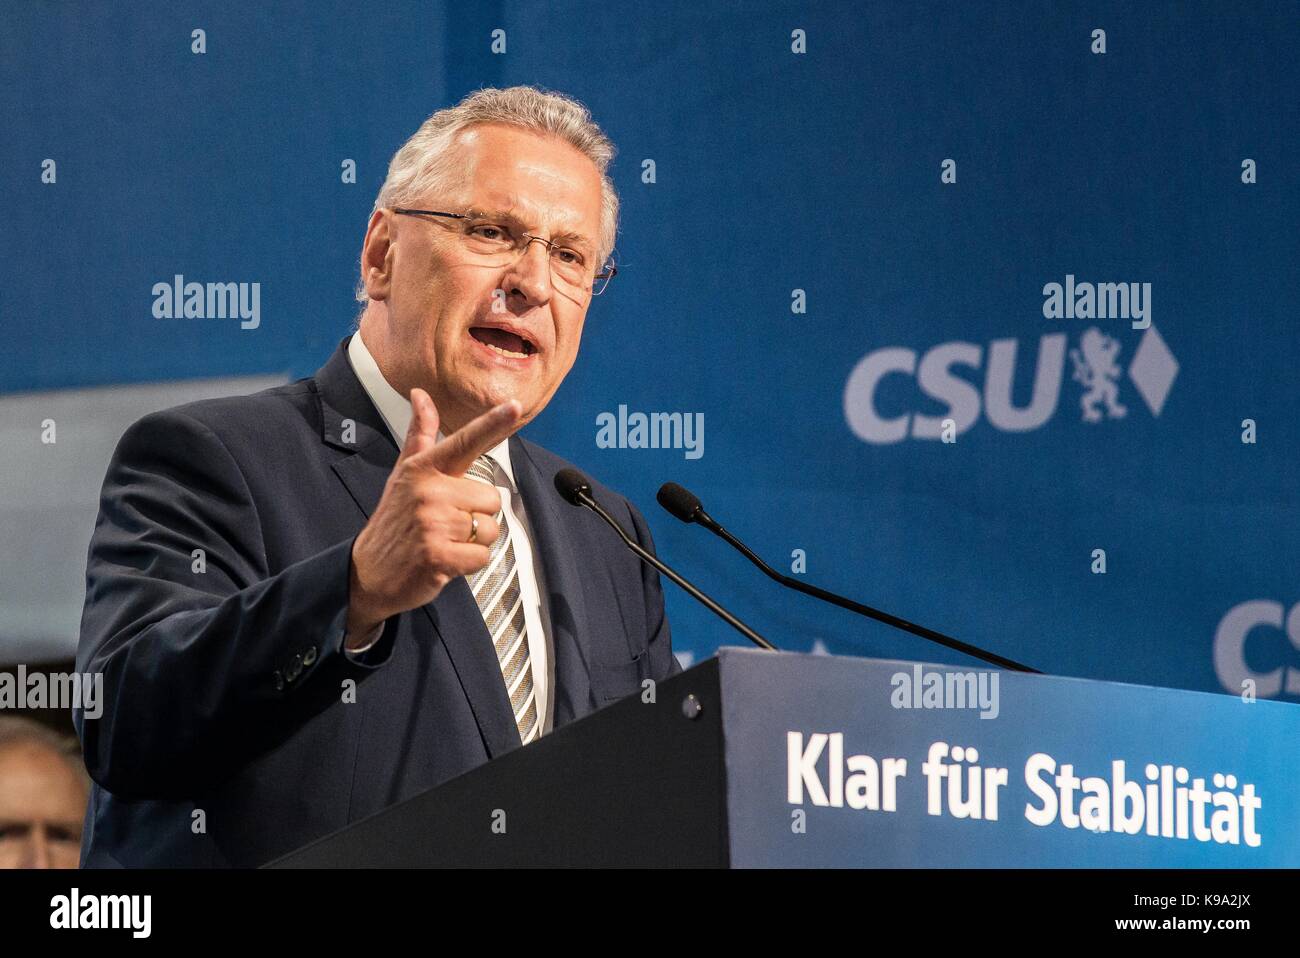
830, 180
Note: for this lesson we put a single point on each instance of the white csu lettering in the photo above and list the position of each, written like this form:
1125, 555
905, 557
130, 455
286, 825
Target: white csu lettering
1230, 663
869, 784
936, 379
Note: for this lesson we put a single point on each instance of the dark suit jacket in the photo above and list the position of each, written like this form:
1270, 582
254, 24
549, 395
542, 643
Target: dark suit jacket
228, 735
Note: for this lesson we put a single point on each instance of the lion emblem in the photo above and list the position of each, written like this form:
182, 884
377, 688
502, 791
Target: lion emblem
1096, 369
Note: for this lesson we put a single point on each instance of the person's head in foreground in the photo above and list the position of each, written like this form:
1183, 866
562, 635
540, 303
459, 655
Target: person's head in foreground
43, 787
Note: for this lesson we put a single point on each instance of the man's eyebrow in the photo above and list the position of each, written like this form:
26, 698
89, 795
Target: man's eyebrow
479, 213
512, 217
574, 238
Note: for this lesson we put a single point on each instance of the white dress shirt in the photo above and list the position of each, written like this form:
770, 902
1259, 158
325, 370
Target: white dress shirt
396, 412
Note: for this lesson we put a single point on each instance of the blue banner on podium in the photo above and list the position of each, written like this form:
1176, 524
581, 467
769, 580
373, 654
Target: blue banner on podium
862, 762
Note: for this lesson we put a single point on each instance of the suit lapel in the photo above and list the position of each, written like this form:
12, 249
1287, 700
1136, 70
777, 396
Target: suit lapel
552, 523
350, 421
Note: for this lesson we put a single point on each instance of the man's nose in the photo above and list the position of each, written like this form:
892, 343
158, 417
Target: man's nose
37, 852
530, 277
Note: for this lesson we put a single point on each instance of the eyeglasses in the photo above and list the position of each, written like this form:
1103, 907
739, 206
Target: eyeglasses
496, 243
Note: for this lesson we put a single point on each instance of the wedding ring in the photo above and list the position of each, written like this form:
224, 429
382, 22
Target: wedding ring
473, 528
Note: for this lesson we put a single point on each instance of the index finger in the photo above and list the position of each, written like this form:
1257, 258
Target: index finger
457, 452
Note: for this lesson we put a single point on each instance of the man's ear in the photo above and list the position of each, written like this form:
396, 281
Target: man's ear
377, 256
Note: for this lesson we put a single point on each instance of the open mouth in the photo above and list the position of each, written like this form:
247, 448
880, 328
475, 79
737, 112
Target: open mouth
504, 342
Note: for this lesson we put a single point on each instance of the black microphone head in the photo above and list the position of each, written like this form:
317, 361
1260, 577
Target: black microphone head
571, 484
682, 503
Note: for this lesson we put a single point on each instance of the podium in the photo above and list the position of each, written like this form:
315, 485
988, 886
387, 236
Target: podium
760, 759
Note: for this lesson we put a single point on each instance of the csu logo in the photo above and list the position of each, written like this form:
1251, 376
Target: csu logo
1096, 368
1232, 665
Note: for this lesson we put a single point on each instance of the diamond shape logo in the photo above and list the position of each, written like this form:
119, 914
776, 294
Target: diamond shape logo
1153, 370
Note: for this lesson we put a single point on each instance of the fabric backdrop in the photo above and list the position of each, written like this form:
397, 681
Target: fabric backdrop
839, 223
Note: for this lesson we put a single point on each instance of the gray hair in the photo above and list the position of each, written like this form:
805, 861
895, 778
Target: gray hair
19, 730
425, 162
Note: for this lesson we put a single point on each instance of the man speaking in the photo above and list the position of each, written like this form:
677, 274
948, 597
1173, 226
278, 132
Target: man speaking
317, 601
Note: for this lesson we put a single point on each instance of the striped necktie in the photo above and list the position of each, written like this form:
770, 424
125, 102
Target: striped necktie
496, 590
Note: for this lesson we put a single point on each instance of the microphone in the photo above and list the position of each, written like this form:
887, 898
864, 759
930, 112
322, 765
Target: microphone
685, 505
574, 489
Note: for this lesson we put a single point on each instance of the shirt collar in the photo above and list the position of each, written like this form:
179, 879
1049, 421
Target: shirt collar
395, 409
